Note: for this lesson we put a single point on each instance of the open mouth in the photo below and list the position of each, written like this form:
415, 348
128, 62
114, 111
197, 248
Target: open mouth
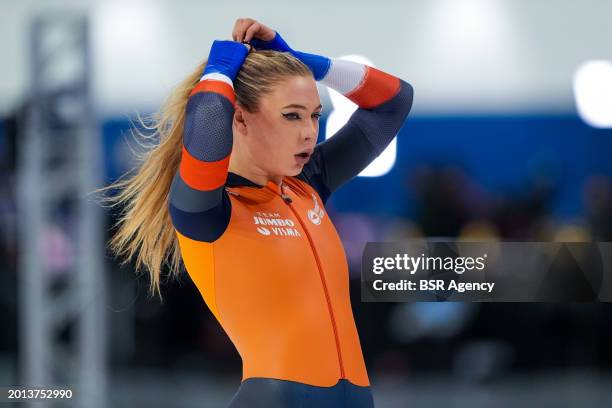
303, 157
305, 154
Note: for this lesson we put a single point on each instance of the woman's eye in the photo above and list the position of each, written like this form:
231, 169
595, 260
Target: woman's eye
296, 116
291, 116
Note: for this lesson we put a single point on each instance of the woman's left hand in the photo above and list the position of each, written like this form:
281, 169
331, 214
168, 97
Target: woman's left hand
245, 29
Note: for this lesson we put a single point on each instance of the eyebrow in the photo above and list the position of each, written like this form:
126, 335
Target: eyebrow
294, 105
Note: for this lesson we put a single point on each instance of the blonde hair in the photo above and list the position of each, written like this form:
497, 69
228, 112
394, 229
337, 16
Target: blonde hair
144, 227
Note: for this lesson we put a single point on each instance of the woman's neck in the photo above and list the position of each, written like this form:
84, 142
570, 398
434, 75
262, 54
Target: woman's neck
251, 172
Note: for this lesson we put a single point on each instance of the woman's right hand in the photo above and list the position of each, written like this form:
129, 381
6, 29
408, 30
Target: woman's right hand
262, 37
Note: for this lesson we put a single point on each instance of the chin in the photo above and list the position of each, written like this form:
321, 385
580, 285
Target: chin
294, 171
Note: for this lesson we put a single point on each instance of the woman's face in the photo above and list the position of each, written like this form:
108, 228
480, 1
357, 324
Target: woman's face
280, 137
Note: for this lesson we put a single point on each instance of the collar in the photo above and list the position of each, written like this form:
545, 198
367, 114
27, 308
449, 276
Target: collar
235, 180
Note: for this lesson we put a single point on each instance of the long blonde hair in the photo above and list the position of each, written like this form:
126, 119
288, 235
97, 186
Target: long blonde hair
144, 227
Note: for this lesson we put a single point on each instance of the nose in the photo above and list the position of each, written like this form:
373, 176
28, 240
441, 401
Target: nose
311, 131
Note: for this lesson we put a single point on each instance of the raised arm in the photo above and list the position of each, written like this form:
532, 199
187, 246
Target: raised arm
199, 206
384, 103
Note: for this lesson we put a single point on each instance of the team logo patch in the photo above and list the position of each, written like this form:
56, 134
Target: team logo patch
316, 214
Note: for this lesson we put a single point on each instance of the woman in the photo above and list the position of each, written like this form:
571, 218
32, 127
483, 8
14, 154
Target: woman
236, 189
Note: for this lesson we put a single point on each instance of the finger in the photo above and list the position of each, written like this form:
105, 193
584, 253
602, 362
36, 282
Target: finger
242, 28
251, 31
239, 29
235, 29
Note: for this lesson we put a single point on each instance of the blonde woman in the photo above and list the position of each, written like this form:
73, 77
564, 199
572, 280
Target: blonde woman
236, 189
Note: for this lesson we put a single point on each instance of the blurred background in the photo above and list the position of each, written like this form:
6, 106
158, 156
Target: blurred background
510, 138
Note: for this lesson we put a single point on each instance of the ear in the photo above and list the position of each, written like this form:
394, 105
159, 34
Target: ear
239, 121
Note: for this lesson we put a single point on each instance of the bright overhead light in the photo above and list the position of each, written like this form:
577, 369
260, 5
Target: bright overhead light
593, 93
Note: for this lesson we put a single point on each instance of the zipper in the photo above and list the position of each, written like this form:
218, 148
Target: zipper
288, 201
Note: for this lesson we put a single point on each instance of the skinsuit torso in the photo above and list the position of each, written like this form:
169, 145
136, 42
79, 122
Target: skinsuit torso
267, 259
